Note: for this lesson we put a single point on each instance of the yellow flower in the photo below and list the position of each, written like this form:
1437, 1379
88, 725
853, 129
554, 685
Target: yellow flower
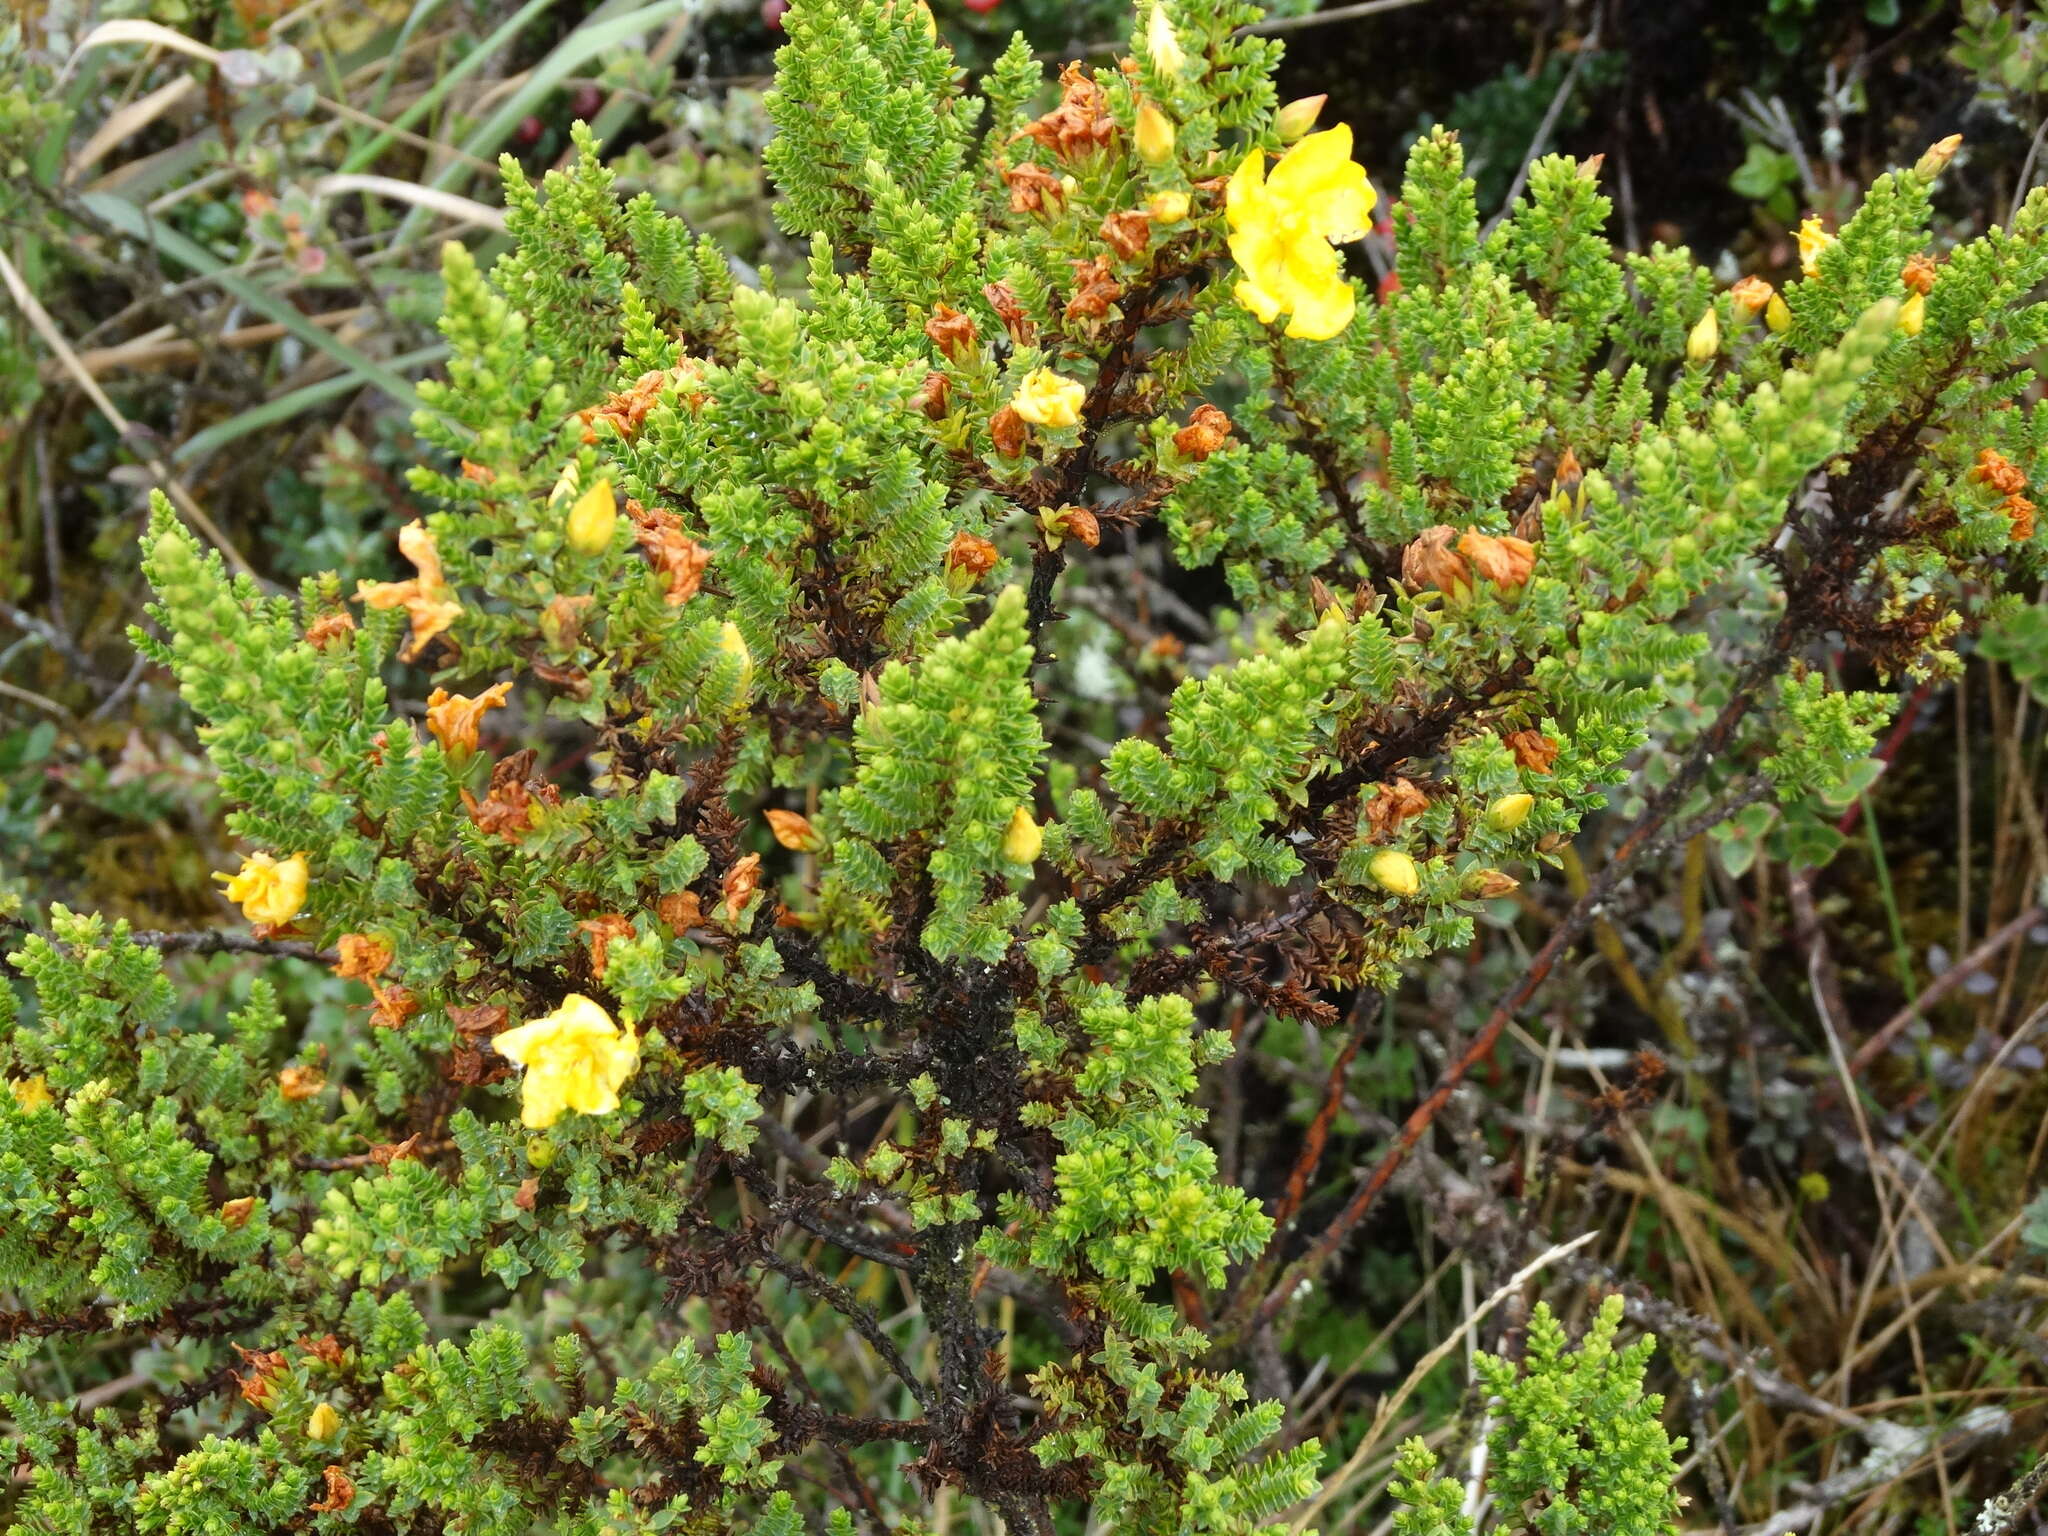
1023, 838
575, 1058
592, 520
31, 1093
1813, 239
323, 1423
1155, 134
270, 891
1281, 227
1046, 400
1913, 314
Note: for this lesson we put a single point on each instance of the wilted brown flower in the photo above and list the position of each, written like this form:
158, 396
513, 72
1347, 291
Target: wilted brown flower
236, 1213
361, 957
1207, 430
952, 332
600, 931
1081, 122
680, 911
1094, 290
1007, 428
680, 559
478, 474
1002, 299
1128, 231
340, 1493
1750, 295
1533, 750
2021, 511
297, 1083
1919, 272
933, 396
1394, 804
328, 628
260, 1383
1505, 561
391, 1006
453, 719
1429, 561
628, 409
514, 798
738, 888
970, 557
1030, 184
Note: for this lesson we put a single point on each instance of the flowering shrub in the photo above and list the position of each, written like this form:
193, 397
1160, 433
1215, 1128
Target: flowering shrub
776, 1102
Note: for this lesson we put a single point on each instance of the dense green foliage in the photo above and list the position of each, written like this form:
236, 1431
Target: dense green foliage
920, 1055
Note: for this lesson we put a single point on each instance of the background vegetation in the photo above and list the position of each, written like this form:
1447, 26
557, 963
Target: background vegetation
1802, 1109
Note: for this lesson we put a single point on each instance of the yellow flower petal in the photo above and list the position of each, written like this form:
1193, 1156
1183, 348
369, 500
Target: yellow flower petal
1257, 300
1322, 313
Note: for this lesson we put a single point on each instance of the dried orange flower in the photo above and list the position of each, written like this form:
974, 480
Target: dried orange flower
680, 559
1919, 272
1094, 289
679, 911
1207, 430
235, 1214
969, 558
429, 602
1533, 750
1506, 561
2021, 511
1081, 122
1002, 299
1031, 185
1394, 804
297, 1083
328, 628
933, 397
515, 798
1750, 295
340, 1493
453, 719
600, 931
362, 957
1076, 523
793, 831
2000, 473
1128, 231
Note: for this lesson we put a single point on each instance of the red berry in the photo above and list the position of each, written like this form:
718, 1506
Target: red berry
528, 133
981, 7
772, 12
588, 101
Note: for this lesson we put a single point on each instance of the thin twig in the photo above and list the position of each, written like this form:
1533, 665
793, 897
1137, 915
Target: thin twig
1544, 129
1975, 961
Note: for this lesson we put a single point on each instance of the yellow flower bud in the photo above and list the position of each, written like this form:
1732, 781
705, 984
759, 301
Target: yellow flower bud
1023, 837
1297, 117
1168, 207
1934, 160
592, 520
323, 1423
1155, 134
1814, 1186
1161, 43
1509, 812
733, 643
793, 831
1913, 314
1777, 316
1392, 870
540, 1151
1704, 340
